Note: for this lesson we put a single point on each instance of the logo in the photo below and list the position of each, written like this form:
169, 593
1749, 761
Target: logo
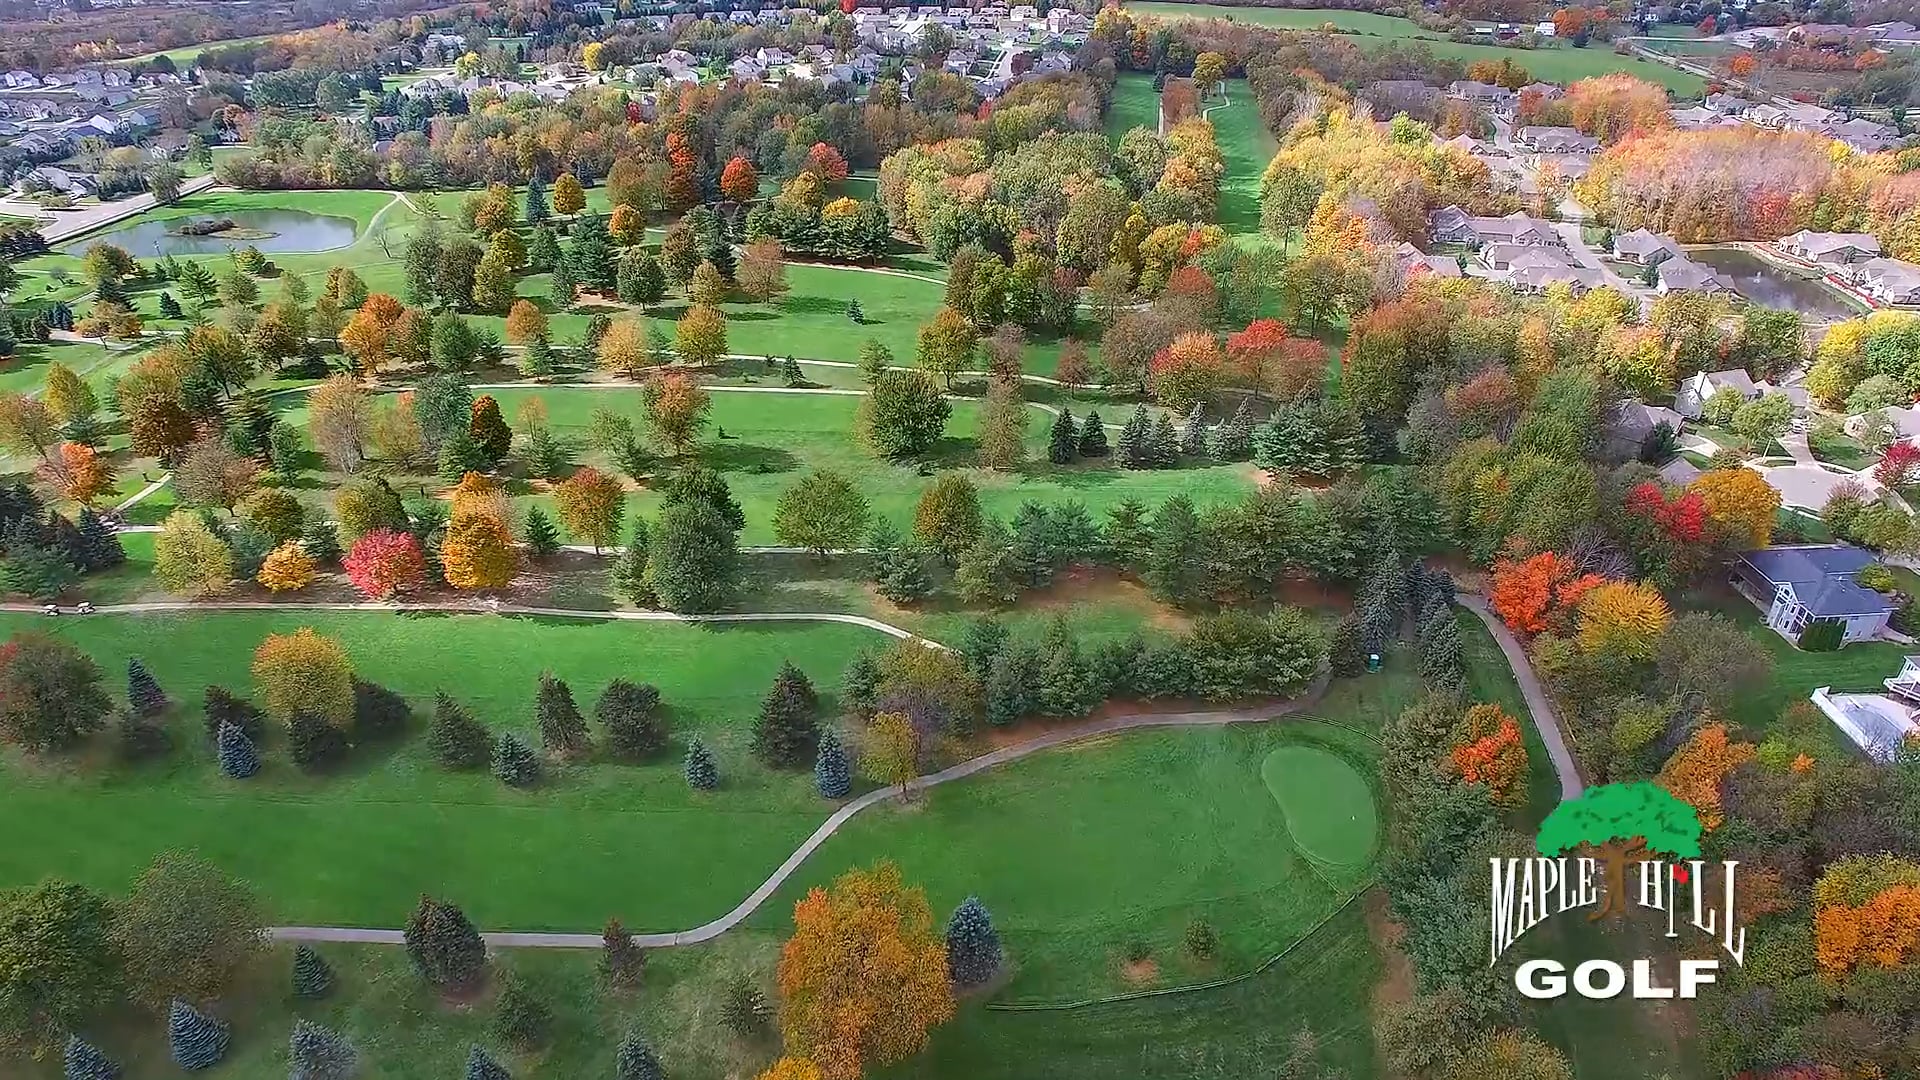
1642, 835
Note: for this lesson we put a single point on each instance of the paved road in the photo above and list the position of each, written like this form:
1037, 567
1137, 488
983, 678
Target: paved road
71, 223
1545, 720
1585, 254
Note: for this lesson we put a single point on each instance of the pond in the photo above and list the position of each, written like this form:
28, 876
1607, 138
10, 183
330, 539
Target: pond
272, 231
1761, 282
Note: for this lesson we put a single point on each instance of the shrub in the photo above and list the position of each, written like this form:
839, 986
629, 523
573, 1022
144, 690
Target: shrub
238, 758
524, 1020
1202, 940
313, 743
1822, 635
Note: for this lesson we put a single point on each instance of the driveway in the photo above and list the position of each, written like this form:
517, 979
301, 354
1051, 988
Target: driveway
1585, 254
1806, 486
68, 224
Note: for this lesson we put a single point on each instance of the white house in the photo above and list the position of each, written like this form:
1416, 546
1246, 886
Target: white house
1698, 387
1892, 280
1830, 249
1798, 585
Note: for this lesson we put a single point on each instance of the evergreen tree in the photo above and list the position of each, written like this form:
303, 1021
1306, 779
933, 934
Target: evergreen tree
859, 686
456, 739
445, 948
973, 946
321, 541
312, 976
1067, 686
621, 961
1010, 686
84, 1061
537, 208
318, 1053
1132, 449
378, 713
1347, 651
482, 1067
1163, 446
223, 707
702, 773
541, 536
791, 369
1382, 602
1441, 662
514, 762
831, 772
143, 691
170, 308
562, 728
1128, 535
900, 569
1193, 434
313, 742
99, 543
523, 1019
1064, 440
854, 314
1236, 435
238, 758
745, 1010
543, 250
635, 1060
985, 639
1173, 565
785, 734
629, 570
631, 714
197, 1041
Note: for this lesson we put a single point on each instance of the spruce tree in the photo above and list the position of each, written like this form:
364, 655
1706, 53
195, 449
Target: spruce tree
514, 762
456, 739
318, 1053
854, 314
786, 735
1063, 442
1193, 434
100, 546
621, 961
321, 542
84, 1061
224, 707
312, 977
635, 1060
831, 772
541, 536
197, 1041
985, 638
143, 691
1132, 449
537, 208
482, 1067
1163, 446
702, 773
1347, 651
631, 714
445, 948
238, 758
523, 1019
378, 713
1093, 436
562, 729
1009, 687
902, 574
1066, 683
170, 308
1235, 442
745, 1010
313, 742
859, 686
973, 946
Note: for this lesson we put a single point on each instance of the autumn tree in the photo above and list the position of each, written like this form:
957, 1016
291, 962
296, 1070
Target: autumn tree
569, 197
1696, 774
1487, 748
526, 323
1535, 594
1003, 426
188, 558
478, 552
591, 505
187, 930
287, 568
304, 672
763, 270
739, 181
676, 410
946, 344
1742, 508
383, 563
372, 336
700, 337
822, 512
78, 472
947, 517
1622, 620
340, 420
847, 1018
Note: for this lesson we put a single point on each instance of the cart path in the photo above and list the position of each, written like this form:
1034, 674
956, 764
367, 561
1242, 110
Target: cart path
1545, 720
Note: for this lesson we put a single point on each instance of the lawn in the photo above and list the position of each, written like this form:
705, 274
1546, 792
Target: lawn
187, 55
1135, 104
1552, 63
1246, 146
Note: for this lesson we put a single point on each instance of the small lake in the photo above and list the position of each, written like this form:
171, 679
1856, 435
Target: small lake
292, 232
1763, 283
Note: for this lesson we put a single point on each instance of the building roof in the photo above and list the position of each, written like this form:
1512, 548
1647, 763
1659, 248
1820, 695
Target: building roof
1736, 378
1642, 242
1817, 243
1637, 419
1822, 577
1681, 274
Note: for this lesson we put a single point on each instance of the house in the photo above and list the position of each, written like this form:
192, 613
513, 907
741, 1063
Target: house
64, 181
1697, 388
1797, 585
1695, 116
1631, 423
1642, 247
1894, 280
1497, 98
1413, 262
1506, 258
1863, 135
1828, 248
1452, 225
1555, 140
1905, 421
1540, 277
1681, 274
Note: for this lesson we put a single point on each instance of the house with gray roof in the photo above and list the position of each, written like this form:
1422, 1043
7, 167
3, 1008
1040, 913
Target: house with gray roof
1681, 274
1830, 248
1631, 423
1642, 247
1892, 280
1796, 585
1692, 396
1555, 140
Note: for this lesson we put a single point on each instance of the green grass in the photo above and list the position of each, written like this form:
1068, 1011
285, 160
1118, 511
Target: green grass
1135, 104
186, 55
1246, 146
1796, 674
1552, 63
1328, 806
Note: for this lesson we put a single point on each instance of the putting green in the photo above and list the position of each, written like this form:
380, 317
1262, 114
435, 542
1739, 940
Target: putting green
1327, 803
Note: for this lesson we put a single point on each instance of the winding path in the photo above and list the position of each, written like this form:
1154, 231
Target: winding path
1545, 720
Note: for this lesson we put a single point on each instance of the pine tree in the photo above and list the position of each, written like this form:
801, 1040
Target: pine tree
859, 686
1093, 436
745, 1010
973, 946
482, 1067
1132, 449
143, 691
1193, 434
621, 961
514, 762
100, 546
170, 308
631, 714
854, 314
445, 948
1009, 686
312, 977
313, 742
523, 1019
902, 574
198, 1041
562, 729
791, 369
321, 542
1347, 652
1163, 446
785, 734
456, 739
1441, 663
84, 1061
318, 1053
831, 773
537, 208
238, 758
1236, 435
223, 707
629, 571
702, 773
1382, 602
1064, 440
635, 1060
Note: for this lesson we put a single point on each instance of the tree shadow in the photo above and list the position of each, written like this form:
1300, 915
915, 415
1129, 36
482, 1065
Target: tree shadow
813, 305
951, 452
734, 456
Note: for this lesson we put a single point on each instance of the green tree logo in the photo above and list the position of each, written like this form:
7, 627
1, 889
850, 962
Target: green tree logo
1623, 823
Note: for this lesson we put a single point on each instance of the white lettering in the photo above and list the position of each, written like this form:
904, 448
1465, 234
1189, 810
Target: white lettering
1643, 984
1697, 973
1616, 979
1541, 979
1506, 873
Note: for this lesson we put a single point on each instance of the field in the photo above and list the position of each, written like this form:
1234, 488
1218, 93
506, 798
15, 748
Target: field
186, 55
1554, 63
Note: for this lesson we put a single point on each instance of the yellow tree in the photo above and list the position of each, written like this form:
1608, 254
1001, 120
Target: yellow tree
477, 493
478, 552
569, 197
591, 504
67, 396
628, 226
304, 672
700, 337
1622, 619
288, 568
593, 55
676, 409
624, 349
845, 1017
188, 559
1741, 506
891, 753
1696, 773
792, 1068
526, 323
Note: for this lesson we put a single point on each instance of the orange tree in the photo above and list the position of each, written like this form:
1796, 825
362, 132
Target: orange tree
78, 472
591, 504
1867, 911
526, 323
1532, 595
478, 552
739, 181
676, 408
304, 672
1487, 749
1696, 774
288, 568
864, 978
